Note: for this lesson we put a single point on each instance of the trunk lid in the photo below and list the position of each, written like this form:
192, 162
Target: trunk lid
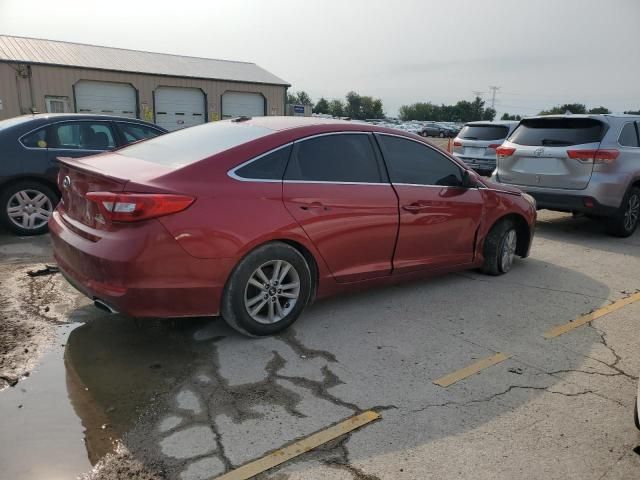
77, 177
540, 158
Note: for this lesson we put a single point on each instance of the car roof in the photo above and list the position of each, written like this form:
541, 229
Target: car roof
588, 115
505, 123
37, 120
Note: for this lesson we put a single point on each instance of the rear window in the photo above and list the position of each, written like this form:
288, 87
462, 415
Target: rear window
559, 132
195, 143
484, 132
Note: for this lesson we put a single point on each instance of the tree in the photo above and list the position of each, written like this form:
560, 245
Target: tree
599, 109
567, 107
322, 106
506, 116
632, 112
299, 98
336, 108
489, 114
362, 107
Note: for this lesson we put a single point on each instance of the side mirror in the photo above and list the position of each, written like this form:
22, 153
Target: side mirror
468, 180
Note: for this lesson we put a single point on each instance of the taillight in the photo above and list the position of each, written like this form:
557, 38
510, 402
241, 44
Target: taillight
494, 145
503, 152
595, 156
133, 207
457, 144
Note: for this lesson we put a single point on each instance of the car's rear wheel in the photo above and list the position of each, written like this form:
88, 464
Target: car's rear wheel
26, 207
500, 248
625, 221
267, 290
441, 134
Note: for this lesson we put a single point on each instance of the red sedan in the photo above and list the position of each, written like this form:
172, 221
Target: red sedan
255, 218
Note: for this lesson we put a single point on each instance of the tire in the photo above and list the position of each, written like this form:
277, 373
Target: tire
625, 221
499, 248
25, 207
441, 134
264, 309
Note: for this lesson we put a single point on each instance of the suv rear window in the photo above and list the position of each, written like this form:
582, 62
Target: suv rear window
190, 145
483, 132
560, 132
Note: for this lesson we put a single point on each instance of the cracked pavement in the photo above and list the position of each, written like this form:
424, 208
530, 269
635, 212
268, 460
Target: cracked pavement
191, 399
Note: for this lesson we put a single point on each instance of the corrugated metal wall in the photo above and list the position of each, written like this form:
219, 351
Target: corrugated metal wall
59, 81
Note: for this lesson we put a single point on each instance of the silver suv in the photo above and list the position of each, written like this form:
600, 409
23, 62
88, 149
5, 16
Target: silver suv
577, 163
476, 144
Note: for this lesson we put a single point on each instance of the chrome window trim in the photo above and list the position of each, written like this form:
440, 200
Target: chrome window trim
64, 121
321, 182
232, 173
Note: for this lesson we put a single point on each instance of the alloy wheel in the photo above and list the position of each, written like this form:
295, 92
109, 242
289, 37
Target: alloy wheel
632, 213
29, 209
508, 250
272, 291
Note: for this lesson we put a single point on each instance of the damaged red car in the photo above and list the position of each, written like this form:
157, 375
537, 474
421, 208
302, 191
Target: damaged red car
253, 219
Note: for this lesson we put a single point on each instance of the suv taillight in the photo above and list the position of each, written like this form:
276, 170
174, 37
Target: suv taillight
133, 207
494, 146
595, 156
503, 152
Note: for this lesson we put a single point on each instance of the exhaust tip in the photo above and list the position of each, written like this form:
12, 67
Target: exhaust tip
103, 306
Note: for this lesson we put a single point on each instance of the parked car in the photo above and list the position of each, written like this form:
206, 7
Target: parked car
578, 163
477, 142
29, 146
255, 218
432, 129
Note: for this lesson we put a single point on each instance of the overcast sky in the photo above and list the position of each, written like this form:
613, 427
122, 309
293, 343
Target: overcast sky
540, 52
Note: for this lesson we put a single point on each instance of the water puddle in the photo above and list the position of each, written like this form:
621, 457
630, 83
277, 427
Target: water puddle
88, 391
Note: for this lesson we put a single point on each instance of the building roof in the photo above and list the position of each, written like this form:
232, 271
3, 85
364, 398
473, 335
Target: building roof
53, 52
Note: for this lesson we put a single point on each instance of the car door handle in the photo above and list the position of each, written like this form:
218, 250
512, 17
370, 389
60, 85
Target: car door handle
313, 206
415, 207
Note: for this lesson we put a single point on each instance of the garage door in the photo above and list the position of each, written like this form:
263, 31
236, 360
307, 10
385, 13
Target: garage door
105, 98
237, 104
179, 107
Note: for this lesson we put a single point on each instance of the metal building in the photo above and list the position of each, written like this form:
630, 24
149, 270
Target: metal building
171, 90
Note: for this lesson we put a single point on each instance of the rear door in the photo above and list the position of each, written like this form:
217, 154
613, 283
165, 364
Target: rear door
79, 138
438, 217
543, 152
336, 189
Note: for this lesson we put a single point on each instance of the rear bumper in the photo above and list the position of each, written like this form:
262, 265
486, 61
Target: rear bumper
140, 271
604, 192
482, 165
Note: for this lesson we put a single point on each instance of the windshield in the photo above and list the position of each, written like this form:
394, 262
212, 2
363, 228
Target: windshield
484, 132
560, 132
195, 143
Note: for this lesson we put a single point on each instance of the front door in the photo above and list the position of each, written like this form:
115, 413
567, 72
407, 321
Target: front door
438, 217
336, 189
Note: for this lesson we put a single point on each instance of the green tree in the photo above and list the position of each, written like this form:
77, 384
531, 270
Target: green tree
633, 112
336, 108
599, 109
567, 107
506, 116
361, 107
299, 98
489, 114
322, 106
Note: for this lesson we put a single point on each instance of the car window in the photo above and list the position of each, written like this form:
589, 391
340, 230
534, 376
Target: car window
193, 144
484, 132
133, 132
628, 136
35, 139
414, 163
81, 136
558, 132
268, 167
334, 158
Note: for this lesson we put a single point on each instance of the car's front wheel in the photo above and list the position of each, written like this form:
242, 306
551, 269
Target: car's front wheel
625, 221
267, 290
26, 207
500, 248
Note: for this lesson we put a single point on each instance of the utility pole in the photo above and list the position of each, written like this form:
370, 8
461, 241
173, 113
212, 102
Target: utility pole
494, 89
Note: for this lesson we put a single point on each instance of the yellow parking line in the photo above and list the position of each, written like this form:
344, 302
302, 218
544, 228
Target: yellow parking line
472, 369
589, 317
301, 446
